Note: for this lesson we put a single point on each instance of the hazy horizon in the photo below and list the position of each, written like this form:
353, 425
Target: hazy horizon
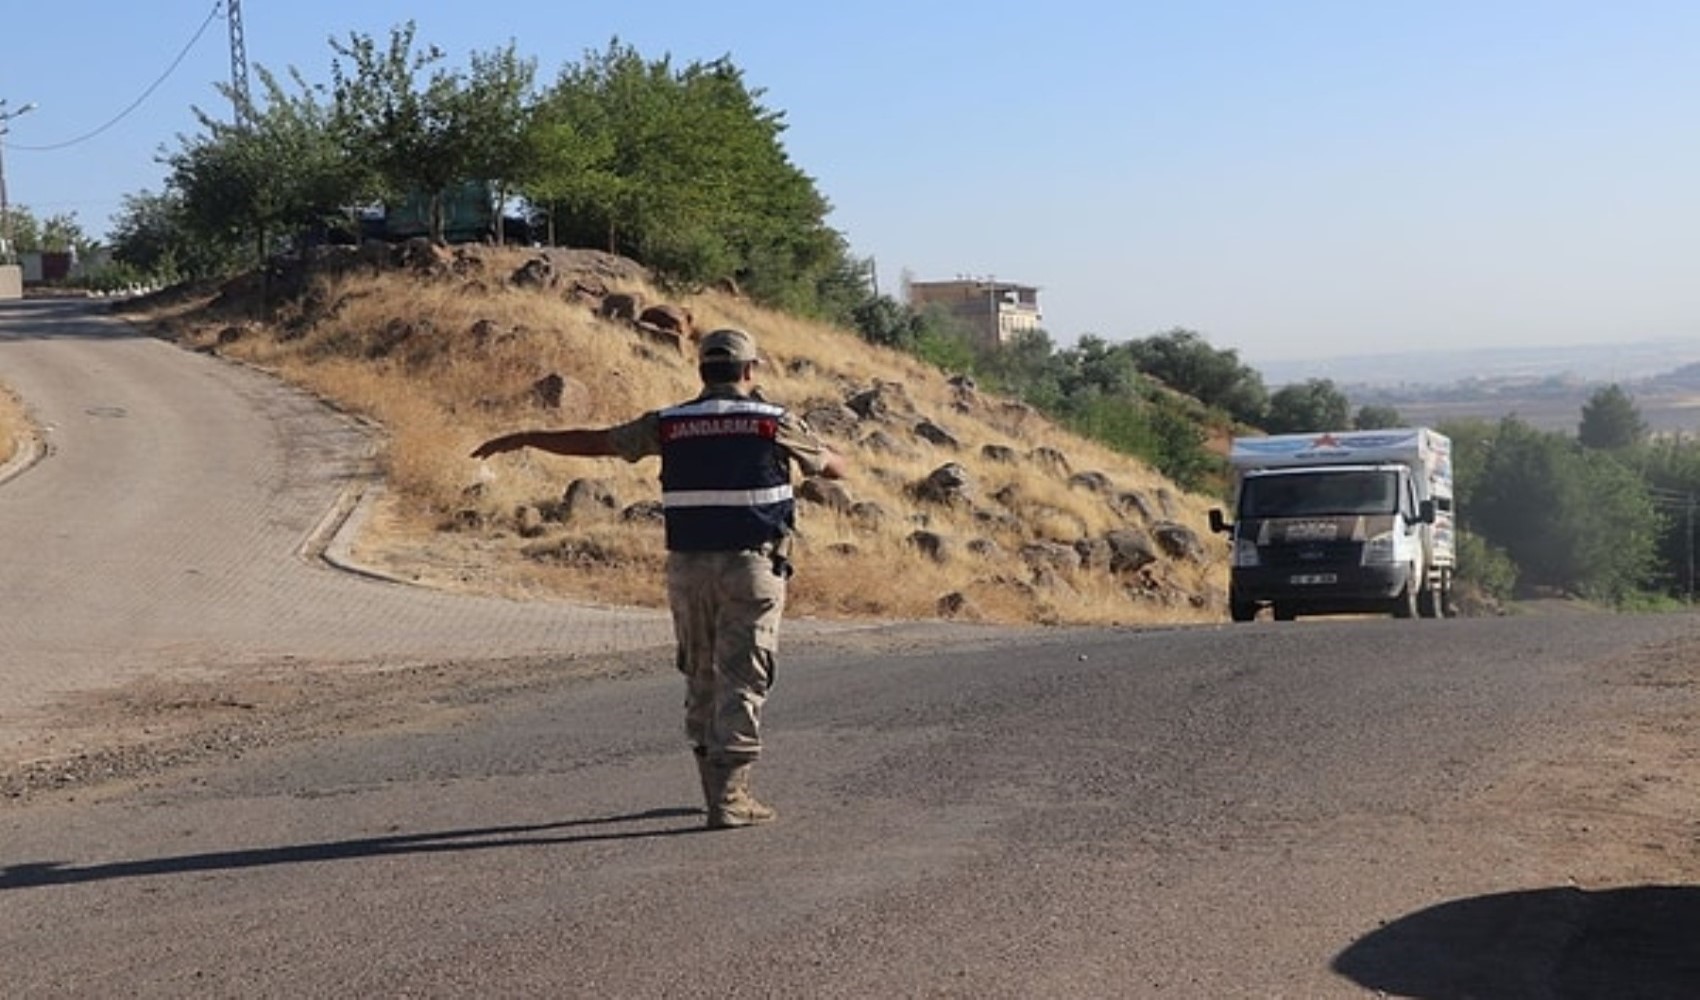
1590, 362
1279, 177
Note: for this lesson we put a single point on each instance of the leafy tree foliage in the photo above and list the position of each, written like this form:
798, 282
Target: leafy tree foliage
881, 319
1313, 405
1486, 566
277, 171
1610, 420
58, 233
1025, 367
1095, 367
1670, 467
1472, 443
1571, 518
684, 170
1374, 417
402, 134
1185, 361
152, 236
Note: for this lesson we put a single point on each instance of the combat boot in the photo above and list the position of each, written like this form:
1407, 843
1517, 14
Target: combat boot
733, 805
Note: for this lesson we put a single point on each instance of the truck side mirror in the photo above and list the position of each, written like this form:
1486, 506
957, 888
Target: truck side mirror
1425, 512
1218, 523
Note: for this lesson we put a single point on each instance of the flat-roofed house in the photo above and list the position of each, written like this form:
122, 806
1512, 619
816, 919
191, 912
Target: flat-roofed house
995, 310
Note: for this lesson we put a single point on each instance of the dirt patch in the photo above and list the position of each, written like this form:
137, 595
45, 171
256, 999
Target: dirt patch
1621, 805
126, 737
110, 741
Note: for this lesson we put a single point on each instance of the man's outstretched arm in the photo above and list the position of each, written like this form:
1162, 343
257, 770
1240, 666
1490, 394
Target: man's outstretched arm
588, 442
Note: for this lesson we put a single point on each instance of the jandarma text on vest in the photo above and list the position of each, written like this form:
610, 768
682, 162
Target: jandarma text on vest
675, 430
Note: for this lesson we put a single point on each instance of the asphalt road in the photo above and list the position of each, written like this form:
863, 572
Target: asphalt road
172, 526
1264, 810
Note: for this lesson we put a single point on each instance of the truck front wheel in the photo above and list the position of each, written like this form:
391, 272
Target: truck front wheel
1241, 611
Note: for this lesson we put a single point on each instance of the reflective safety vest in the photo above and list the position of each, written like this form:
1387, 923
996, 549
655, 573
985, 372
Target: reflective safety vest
725, 484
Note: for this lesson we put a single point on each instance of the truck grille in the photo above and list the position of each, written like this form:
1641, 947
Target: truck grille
1313, 554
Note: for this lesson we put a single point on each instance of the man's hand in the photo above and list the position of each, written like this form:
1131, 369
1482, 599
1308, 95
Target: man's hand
496, 446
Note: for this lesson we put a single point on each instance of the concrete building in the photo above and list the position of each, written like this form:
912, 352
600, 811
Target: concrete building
995, 310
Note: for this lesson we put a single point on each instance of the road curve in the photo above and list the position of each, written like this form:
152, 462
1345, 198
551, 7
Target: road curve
162, 531
1333, 808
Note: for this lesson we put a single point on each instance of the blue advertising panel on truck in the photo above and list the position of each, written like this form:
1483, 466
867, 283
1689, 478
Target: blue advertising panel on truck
1341, 522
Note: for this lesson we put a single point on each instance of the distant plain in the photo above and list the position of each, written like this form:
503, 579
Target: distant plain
1545, 387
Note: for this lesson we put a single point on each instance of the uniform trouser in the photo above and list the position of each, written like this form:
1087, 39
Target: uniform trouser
726, 610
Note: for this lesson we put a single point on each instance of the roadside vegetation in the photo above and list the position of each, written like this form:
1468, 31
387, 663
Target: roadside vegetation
680, 170
13, 424
1607, 514
962, 503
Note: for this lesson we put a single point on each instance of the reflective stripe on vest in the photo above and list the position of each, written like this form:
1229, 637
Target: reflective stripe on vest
725, 498
725, 484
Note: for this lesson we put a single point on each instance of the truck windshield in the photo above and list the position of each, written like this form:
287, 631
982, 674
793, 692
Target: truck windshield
1311, 494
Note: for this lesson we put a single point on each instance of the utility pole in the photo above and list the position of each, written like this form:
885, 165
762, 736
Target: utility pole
238, 64
6, 253
1690, 548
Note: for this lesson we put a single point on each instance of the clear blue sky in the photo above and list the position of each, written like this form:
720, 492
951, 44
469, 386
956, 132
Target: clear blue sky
1298, 179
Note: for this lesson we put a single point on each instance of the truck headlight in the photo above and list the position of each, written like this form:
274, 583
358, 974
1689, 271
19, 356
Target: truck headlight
1245, 553
1378, 551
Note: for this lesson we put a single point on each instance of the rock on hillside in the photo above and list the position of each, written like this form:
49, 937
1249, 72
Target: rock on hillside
961, 504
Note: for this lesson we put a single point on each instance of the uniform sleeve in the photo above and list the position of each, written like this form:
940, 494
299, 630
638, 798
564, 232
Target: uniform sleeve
801, 444
638, 438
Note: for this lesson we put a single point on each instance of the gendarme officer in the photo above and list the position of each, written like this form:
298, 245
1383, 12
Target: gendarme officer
726, 460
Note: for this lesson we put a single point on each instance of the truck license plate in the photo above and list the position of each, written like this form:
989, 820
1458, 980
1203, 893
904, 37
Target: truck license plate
1303, 579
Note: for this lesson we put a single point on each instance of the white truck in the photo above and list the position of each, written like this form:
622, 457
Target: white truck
1341, 522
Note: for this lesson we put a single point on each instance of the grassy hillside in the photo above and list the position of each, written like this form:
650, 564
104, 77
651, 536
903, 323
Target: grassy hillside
444, 350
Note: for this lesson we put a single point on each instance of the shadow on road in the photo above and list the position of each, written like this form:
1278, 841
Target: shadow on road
1641, 942
64, 319
31, 875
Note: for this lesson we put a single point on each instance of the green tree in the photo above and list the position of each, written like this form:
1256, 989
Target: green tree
1610, 420
881, 319
1313, 405
1486, 567
1571, 518
1096, 367
1472, 443
151, 235
1374, 417
274, 174
494, 108
1185, 361
1024, 367
58, 233
411, 126
1670, 467
684, 170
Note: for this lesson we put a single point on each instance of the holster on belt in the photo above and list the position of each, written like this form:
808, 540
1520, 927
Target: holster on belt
779, 553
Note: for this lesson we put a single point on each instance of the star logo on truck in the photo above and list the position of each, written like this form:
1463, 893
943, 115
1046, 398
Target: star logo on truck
1326, 441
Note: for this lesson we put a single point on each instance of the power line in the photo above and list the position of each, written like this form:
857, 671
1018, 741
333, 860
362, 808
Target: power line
211, 16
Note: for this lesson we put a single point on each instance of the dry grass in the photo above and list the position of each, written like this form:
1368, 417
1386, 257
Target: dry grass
445, 363
13, 424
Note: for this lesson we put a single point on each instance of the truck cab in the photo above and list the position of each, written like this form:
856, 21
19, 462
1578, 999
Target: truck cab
1337, 529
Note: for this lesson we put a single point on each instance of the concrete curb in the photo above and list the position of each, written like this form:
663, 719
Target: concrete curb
29, 449
332, 542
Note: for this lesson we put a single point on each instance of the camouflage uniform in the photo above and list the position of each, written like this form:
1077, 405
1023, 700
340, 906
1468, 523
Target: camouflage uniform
726, 606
